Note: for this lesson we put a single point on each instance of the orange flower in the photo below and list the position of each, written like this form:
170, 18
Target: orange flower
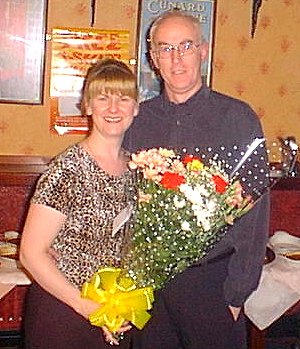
190, 158
220, 183
172, 180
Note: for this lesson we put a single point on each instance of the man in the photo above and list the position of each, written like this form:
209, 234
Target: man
201, 308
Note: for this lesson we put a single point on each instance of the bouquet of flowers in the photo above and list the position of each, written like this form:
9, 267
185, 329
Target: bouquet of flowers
183, 210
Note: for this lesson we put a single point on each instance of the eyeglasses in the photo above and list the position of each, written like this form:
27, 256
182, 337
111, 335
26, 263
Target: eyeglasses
184, 48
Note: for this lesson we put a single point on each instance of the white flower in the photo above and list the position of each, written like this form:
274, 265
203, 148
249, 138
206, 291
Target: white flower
211, 206
179, 203
206, 225
203, 221
185, 226
192, 195
202, 190
166, 153
203, 217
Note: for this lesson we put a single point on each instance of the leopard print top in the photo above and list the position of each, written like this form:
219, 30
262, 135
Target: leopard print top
90, 199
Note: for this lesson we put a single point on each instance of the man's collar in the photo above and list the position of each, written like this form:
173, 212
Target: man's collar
203, 92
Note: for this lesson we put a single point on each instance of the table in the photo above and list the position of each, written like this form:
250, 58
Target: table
284, 215
18, 175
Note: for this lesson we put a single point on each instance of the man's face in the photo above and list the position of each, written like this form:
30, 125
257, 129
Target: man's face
181, 71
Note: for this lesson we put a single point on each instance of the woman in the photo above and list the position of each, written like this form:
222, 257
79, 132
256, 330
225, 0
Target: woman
72, 214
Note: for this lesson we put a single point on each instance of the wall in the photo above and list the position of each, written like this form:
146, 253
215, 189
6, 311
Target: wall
263, 71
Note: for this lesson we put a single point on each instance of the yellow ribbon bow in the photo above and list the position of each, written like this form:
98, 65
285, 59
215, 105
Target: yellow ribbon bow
120, 299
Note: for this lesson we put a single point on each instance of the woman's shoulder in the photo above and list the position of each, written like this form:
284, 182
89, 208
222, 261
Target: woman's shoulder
64, 166
68, 158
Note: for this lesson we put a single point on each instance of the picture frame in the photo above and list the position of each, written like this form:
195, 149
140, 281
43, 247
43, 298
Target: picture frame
73, 51
149, 10
22, 50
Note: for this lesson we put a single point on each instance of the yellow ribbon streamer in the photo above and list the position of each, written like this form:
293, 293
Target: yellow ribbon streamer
120, 299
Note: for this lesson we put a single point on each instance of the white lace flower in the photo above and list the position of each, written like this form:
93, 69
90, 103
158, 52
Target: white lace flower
179, 203
203, 221
202, 190
191, 194
185, 226
211, 206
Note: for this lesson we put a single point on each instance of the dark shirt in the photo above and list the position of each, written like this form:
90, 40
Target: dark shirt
212, 123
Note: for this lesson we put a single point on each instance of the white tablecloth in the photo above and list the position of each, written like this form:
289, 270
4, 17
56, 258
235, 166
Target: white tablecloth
11, 274
279, 286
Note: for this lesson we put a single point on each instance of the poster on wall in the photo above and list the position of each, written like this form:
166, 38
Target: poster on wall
74, 50
149, 10
22, 50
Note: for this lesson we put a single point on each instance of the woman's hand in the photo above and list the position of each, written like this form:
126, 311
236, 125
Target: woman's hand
114, 338
85, 307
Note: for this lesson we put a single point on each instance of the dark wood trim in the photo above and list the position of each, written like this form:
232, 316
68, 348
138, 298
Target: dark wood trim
23, 163
21, 170
23, 179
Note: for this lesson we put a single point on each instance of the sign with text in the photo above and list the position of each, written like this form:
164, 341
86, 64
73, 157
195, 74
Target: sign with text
73, 52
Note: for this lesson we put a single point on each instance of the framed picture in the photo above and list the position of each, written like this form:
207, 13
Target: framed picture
149, 10
74, 50
22, 50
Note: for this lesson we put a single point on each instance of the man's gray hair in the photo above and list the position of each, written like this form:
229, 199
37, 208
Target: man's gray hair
172, 14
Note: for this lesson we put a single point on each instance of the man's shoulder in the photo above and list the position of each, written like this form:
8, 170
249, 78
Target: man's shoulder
154, 102
220, 97
232, 107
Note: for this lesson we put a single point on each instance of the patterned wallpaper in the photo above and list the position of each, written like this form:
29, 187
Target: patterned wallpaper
264, 71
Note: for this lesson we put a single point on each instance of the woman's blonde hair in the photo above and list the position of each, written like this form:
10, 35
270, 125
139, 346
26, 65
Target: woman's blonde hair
109, 76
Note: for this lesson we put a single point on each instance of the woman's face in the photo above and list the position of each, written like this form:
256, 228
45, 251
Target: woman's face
112, 114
